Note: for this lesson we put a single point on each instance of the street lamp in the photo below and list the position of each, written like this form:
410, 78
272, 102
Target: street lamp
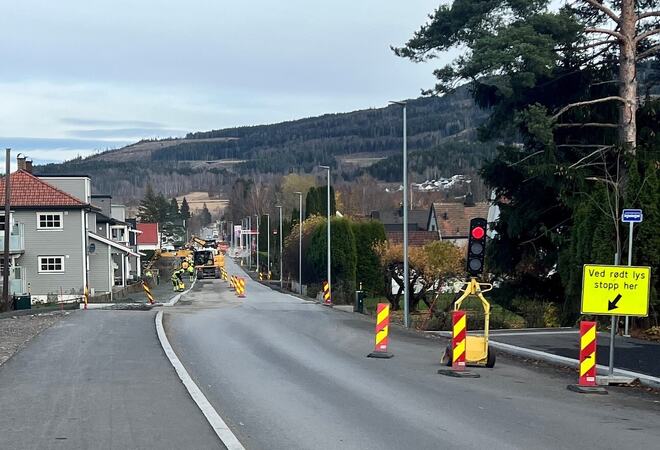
281, 256
268, 245
257, 217
406, 278
300, 225
249, 239
329, 243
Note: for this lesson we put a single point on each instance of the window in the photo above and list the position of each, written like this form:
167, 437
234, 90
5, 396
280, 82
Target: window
51, 264
49, 221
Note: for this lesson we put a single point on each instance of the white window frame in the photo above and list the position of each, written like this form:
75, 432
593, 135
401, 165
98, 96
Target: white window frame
39, 262
50, 213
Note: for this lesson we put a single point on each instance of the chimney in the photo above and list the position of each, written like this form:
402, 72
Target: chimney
20, 159
28, 165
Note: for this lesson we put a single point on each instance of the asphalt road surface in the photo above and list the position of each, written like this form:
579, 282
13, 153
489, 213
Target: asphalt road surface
289, 374
98, 380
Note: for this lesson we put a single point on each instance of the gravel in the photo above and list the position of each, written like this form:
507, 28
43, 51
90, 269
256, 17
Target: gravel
16, 331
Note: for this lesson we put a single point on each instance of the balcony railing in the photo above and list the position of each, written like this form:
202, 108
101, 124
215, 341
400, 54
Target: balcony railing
16, 239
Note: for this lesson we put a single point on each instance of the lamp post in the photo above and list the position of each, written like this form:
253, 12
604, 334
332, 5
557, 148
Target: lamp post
329, 243
268, 245
406, 277
300, 225
281, 256
257, 217
249, 239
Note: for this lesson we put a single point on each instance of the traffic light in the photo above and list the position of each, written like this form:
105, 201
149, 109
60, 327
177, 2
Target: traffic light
476, 246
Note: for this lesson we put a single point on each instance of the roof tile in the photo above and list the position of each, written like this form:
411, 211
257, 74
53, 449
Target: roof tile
26, 190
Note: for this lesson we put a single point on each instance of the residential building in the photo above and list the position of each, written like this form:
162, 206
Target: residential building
148, 238
392, 219
452, 220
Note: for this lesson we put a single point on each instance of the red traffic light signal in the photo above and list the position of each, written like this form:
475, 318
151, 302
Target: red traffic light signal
476, 246
478, 232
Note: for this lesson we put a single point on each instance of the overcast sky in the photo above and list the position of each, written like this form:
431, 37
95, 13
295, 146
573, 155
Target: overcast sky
79, 76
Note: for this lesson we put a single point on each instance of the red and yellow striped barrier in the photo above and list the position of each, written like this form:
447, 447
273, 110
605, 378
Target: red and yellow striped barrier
587, 354
327, 299
241, 287
382, 331
148, 293
459, 332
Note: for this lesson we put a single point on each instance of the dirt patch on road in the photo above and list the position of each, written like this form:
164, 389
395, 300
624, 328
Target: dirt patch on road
16, 331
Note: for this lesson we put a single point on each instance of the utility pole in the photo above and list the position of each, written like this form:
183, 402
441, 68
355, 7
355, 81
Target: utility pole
300, 225
257, 217
329, 243
281, 255
5, 266
268, 245
406, 268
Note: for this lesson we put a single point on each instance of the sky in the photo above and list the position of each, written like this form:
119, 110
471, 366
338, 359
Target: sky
81, 76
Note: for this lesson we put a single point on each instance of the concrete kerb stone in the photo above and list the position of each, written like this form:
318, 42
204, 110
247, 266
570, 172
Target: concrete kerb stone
174, 300
645, 380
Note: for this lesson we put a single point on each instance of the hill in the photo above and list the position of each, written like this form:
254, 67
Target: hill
351, 142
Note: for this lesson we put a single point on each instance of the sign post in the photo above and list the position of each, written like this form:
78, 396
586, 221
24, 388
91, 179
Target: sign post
630, 216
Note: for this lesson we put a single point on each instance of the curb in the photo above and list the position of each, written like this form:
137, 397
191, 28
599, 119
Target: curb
226, 436
645, 380
174, 300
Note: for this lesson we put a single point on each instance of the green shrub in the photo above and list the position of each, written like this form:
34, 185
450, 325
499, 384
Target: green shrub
368, 269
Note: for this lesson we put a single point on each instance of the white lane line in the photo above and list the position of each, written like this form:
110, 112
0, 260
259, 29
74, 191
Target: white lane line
228, 438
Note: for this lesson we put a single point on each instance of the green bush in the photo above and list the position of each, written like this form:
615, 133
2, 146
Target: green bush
368, 269
343, 258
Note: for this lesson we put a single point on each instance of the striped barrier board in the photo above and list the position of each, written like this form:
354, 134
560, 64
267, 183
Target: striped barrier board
382, 331
459, 333
587, 354
327, 299
148, 293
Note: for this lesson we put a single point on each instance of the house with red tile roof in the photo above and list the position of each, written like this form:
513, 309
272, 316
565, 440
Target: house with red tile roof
148, 237
57, 248
452, 220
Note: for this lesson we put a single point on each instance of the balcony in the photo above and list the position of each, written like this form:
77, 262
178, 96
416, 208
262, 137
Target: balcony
16, 239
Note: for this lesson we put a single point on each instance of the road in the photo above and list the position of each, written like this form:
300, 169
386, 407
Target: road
98, 380
289, 374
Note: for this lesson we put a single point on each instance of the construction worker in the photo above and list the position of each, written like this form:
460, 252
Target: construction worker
177, 280
191, 272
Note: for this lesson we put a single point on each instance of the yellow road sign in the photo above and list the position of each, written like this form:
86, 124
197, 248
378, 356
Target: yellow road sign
615, 290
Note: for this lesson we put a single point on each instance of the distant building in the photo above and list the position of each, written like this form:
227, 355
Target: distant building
392, 219
452, 220
148, 238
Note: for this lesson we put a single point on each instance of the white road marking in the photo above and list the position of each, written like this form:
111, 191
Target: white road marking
174, 300
219, 426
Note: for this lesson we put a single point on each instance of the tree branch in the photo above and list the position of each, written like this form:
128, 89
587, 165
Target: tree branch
648, 14
588, 124
525, 158
588, 102
616, 34
604, 9
649, 33
591, 45
650, 52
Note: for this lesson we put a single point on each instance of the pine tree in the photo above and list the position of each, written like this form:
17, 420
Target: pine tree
185, 209
148, 210
205, 216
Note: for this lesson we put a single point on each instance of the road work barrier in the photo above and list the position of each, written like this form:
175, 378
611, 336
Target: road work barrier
587, 367
458, 337
458, 348
148, 293
232, 282
327, 299
382, 331
241, 287
86, 296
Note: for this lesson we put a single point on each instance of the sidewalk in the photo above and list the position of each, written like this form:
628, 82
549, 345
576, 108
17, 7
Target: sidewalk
98, 380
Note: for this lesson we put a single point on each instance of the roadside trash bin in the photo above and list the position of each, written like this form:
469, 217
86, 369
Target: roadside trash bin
22, 302
359, 302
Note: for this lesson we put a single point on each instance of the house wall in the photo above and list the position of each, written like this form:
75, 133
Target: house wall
99, 268
103, 202
79, 187
118, 212
91, 222
69, 242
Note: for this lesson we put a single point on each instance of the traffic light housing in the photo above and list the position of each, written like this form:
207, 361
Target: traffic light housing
476, 249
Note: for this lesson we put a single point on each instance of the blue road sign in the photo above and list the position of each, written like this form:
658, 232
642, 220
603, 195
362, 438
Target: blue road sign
632, 215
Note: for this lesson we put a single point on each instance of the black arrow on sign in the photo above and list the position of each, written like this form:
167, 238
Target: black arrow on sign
611, 304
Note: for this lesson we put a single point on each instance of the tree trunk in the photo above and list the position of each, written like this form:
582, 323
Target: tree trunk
628, 78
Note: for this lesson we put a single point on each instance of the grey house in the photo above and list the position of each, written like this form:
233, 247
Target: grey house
61, 242
48, 244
